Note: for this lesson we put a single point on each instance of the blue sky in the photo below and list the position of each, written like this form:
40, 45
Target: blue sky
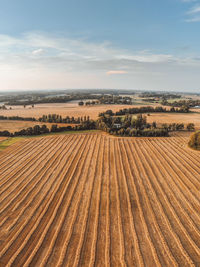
150, 45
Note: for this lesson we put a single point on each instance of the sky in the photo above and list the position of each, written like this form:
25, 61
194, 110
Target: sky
129, 44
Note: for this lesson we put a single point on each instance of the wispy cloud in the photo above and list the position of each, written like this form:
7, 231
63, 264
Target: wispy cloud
34, 49
194, 10
38, 51
38, 60
193, 14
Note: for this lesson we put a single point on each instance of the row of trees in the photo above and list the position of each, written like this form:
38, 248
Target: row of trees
178, 126
38, 130
54, 118
159, 95
108, 99
17, 118
87, 125
88, 103
132, 132
115, 99
145, 109
51, 118
186, 103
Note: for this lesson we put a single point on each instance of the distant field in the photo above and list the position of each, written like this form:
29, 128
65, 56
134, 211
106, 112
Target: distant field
96, 200
71, 109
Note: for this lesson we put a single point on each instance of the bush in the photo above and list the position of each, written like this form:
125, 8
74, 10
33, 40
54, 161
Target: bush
5, 133
195, 140
190, 127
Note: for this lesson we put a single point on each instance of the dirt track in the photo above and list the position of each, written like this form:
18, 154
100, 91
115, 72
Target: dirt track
94, 200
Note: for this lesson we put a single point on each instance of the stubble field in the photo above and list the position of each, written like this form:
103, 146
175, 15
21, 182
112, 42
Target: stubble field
96, 200
71, 109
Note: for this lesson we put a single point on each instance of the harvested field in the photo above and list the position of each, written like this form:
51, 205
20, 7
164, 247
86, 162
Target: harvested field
96, 200
71, 109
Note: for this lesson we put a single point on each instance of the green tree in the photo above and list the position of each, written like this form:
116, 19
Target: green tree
194, 141
190, 127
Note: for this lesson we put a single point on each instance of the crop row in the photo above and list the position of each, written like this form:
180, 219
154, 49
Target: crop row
95, 200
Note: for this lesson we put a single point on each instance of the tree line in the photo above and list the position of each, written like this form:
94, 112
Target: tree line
17, 118
186, 103
145, 109
38, 130
55, 118
42, 99
50, 118
159, 95
108, 99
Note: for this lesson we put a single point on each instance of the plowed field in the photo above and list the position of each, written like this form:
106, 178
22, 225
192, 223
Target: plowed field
95, 200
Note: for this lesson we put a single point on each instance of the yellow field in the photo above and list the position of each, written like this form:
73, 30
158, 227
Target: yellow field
71, 109
96, 200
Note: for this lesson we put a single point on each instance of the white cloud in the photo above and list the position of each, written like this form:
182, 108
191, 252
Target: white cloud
111, 72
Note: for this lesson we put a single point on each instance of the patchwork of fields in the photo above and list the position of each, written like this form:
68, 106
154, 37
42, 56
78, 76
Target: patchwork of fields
96, 200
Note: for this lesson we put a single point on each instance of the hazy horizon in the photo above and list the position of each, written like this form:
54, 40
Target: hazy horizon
93, 89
